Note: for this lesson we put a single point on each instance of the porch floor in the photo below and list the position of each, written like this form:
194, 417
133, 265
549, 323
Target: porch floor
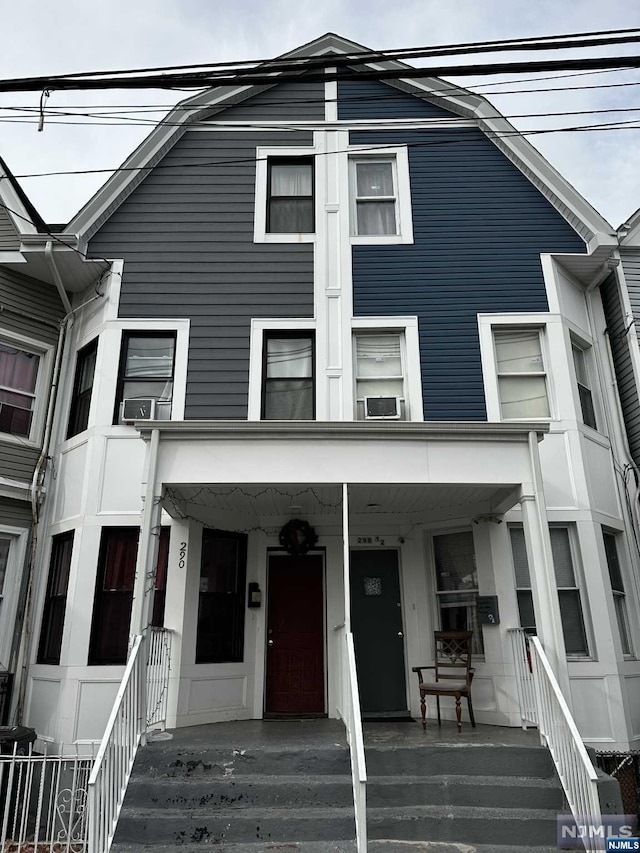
318, 732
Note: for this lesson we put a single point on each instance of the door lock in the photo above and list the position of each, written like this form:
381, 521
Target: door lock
400, 634
269, 642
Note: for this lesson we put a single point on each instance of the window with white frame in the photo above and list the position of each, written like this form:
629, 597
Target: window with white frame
522, 378
145, 377
288, 376
457, 584
617, 588
290, 197
375, 195
18, 380
380, 376
584, 385
571, 614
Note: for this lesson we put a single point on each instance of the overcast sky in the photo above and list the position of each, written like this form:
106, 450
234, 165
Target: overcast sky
40, 38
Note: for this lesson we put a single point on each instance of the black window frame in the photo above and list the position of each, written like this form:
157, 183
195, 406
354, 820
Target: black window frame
81, 399
124, 347
55, 603
107, 603
222, 609
291, 161
274, 334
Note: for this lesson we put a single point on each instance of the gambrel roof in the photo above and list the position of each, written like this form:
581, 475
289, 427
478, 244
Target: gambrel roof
593, 228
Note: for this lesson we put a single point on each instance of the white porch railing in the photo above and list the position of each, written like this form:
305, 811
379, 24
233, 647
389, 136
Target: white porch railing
524, 677
349, 711
43, 803
158, 662
559, 733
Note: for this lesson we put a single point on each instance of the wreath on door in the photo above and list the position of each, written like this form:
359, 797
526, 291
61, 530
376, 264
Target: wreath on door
297, 537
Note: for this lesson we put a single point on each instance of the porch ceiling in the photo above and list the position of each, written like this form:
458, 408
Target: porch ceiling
249, 504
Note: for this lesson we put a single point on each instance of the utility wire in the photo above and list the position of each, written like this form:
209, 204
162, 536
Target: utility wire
201, 81
550, 42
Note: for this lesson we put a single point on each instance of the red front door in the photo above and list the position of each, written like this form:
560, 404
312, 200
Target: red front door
295, 636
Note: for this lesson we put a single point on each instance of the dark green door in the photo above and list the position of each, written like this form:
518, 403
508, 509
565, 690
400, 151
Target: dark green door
376, 622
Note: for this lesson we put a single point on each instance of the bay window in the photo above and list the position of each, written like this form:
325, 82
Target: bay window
18, 378
617, 588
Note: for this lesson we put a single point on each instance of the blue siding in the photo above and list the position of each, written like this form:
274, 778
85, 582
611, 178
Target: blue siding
479, 228
371, 99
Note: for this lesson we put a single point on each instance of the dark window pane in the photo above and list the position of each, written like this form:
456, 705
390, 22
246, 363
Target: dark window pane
114, 595
221, 606
613, 562
291, 216
160, 592
525, 608
586, 403
56, 599
289, 400
290, 199
83, 383
575, 638
288, 383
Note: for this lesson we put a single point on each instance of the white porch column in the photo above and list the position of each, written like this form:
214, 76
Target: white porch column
147, 544
542, 572
345, 560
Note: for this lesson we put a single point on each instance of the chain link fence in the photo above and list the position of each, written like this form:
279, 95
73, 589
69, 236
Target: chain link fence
625, 767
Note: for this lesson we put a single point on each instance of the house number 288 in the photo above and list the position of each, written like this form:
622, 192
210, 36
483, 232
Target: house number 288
182, 555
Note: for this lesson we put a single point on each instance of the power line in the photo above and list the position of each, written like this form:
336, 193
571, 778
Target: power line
549, 42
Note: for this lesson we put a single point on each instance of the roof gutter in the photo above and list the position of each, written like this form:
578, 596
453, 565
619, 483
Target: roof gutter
48, 253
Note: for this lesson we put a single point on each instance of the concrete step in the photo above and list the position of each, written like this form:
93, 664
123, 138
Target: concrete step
487, 791
229, 825
398, 846
259, 847
466, 760
272, 760
239, 791
467, 824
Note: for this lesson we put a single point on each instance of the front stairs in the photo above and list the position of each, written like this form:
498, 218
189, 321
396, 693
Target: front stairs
257, 786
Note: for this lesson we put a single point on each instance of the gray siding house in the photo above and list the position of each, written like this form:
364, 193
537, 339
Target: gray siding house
342, 362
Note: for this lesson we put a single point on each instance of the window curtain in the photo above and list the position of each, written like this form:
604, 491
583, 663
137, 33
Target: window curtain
18, 369
290, 179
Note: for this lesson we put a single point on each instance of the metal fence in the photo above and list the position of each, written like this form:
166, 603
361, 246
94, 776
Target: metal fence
625, 767
43, 803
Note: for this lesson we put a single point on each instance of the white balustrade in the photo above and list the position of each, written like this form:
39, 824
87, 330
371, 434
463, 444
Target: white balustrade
158, 664
524, 677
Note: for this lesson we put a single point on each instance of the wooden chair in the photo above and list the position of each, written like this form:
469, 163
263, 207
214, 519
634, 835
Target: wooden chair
453, 673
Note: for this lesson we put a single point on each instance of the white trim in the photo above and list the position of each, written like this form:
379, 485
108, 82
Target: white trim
12, 582
16, 489
260, 233
408, 326
337, 124
256, 345
40, 394
331, 98
399, 157
14, 207
12, 258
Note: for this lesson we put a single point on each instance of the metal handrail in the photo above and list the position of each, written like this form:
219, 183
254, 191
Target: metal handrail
349, 711
559, 733
125, 731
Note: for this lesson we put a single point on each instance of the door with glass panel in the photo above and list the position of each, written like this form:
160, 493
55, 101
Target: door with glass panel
457, 584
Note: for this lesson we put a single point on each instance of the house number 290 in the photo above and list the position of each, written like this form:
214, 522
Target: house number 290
182, 556
370, 540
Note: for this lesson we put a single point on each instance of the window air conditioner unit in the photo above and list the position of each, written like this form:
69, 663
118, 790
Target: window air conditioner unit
376, 408
138, 409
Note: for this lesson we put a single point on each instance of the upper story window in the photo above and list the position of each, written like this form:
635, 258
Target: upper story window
145, 375
290, 197
82, 385
380, 376
288, 384
584, 385
18, 379
375, 196
522, 378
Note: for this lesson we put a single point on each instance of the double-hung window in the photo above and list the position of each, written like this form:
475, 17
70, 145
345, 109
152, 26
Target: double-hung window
457, 584
113, 595
573, 627
288, 388
374, 187
380, 376
221, 607
290, 198
56, 599
522, 379
145, 377
82, 386
617, 588
584, 386
18, 377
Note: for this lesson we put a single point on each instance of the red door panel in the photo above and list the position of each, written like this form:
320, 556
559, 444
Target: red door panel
295, 636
